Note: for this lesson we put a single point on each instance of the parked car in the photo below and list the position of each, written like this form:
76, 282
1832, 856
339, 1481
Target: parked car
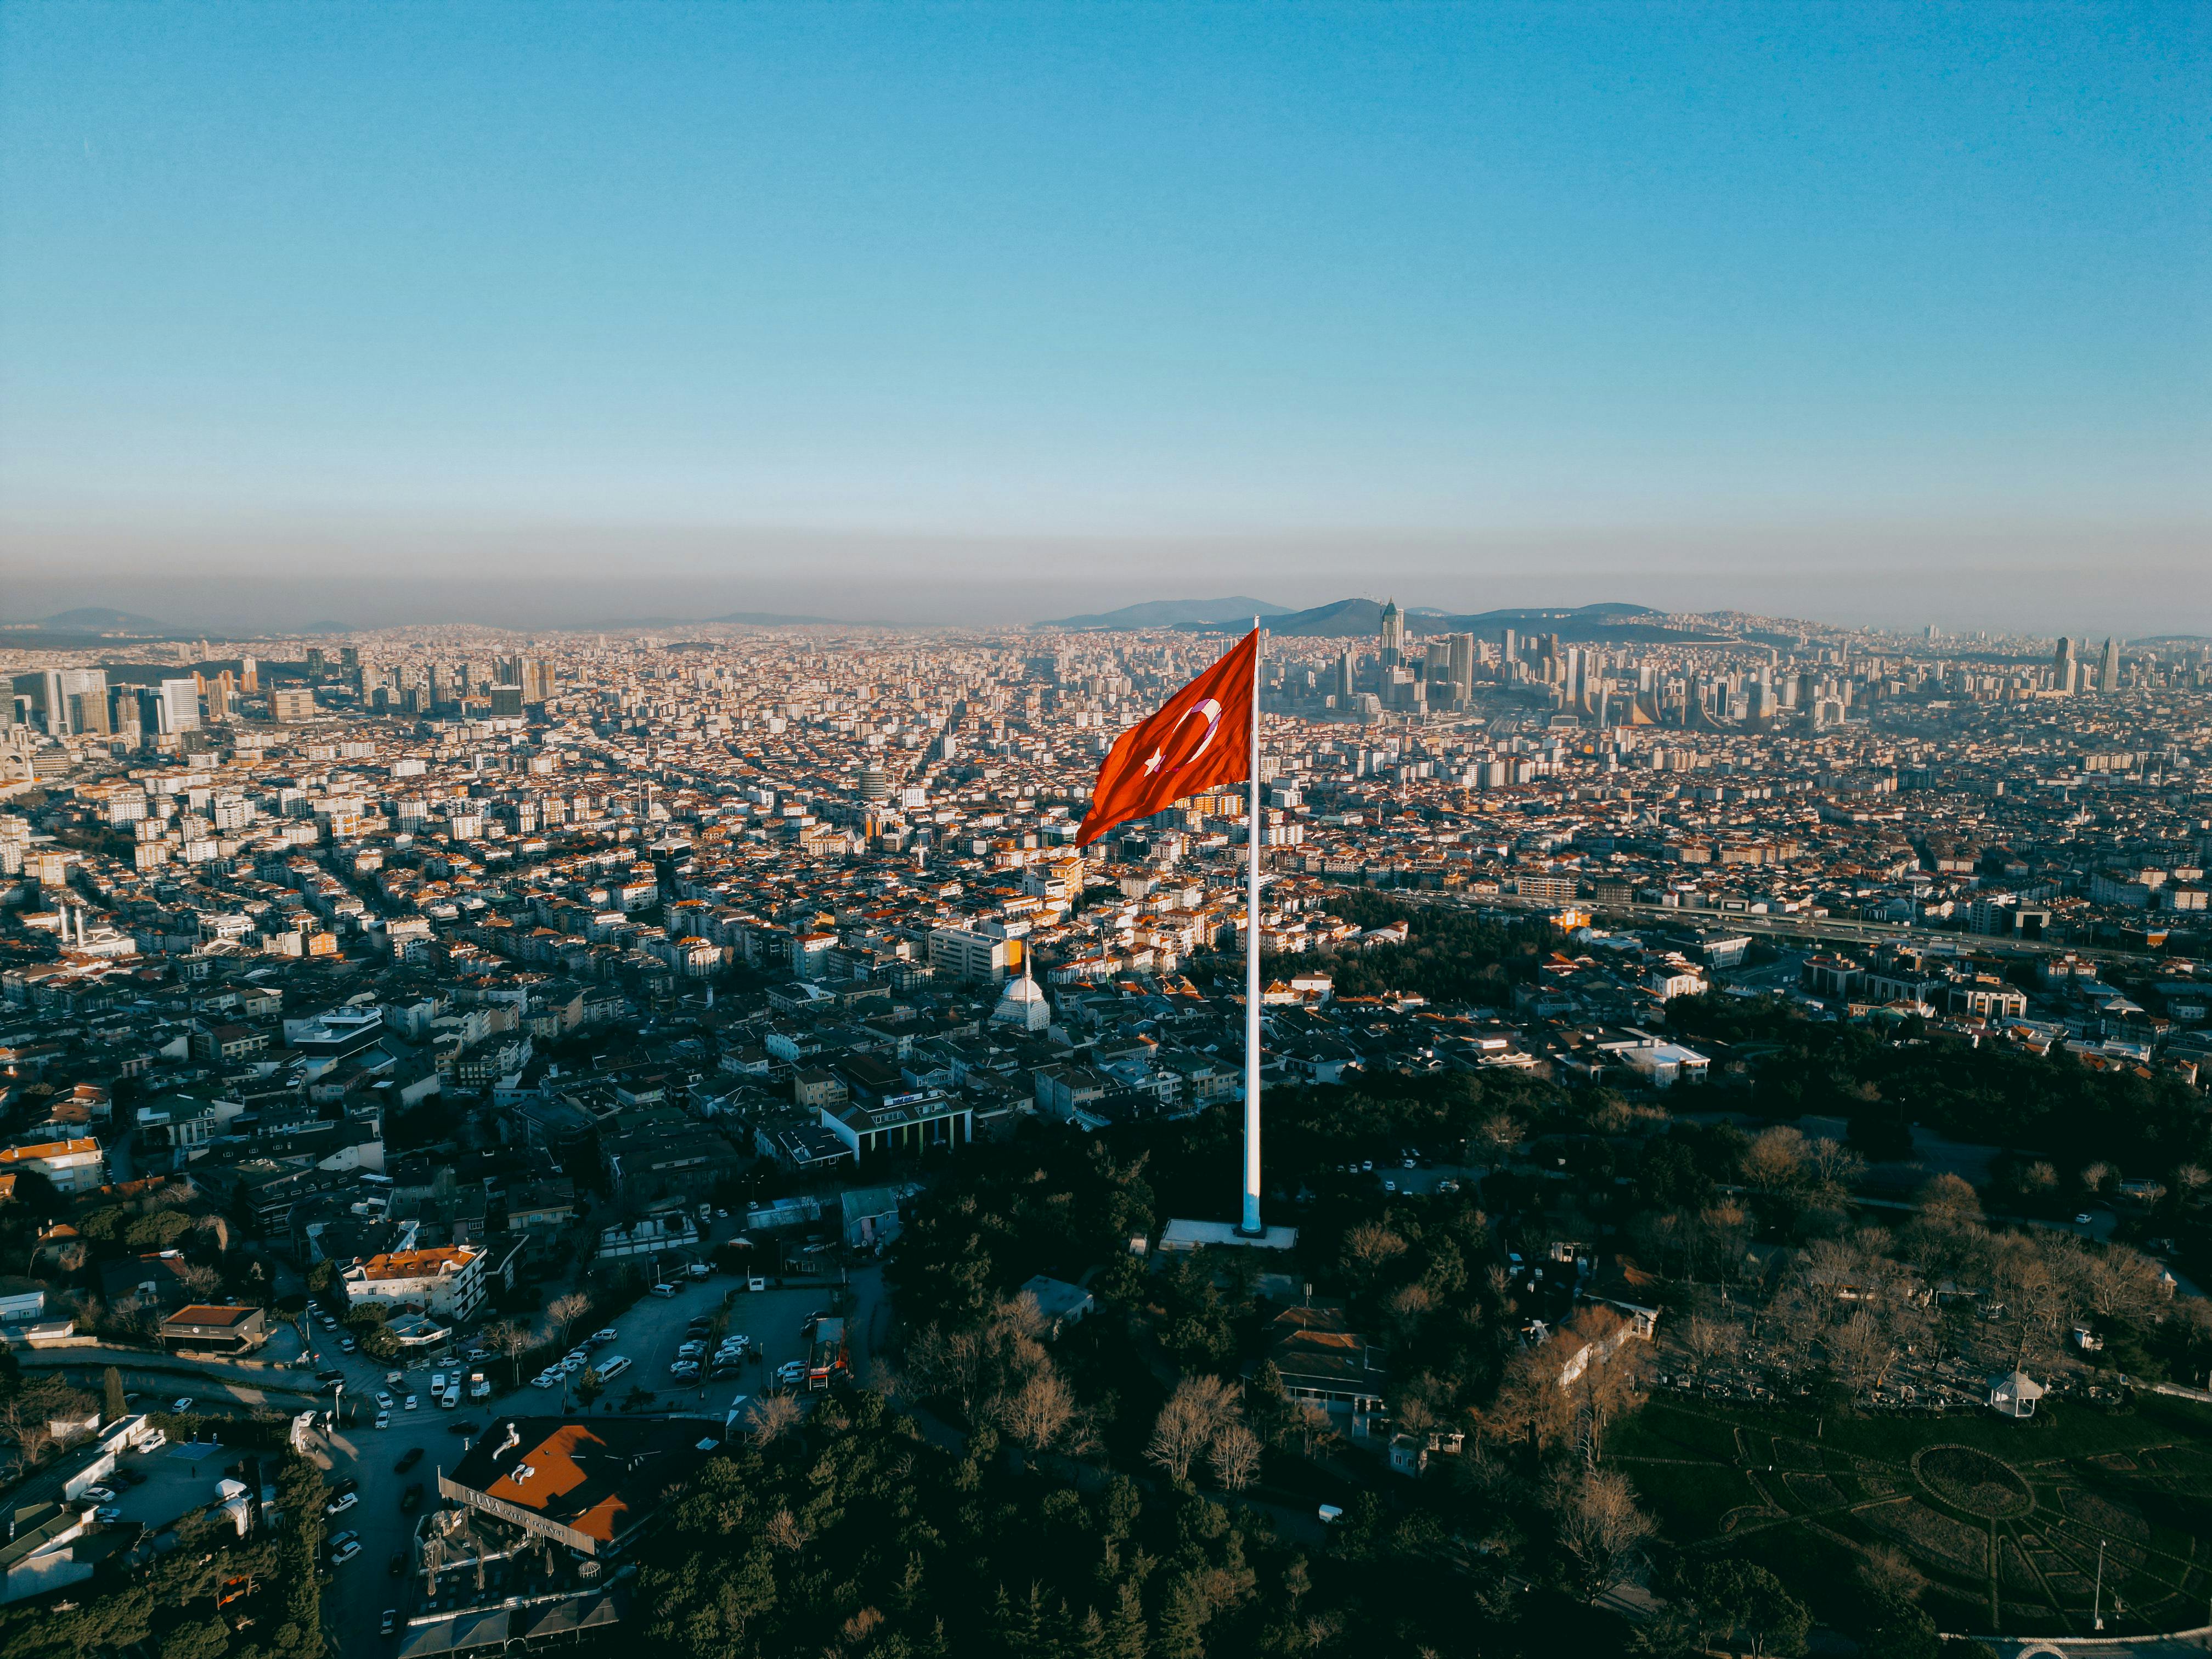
130, 1477
2082, 1219
109, 1516
600, 1338
791, 1370
100, 1494
183, 1403
338, 1541
546, 1380
391, 1620
662, 1290
347, 1344
344, 1554
341, 1503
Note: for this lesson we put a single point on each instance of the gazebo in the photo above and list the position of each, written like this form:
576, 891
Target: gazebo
2014, 1394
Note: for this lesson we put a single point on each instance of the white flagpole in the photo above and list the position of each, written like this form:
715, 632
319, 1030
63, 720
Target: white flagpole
1250, 1226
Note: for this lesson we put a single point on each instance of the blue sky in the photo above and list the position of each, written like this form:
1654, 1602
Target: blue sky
929, 312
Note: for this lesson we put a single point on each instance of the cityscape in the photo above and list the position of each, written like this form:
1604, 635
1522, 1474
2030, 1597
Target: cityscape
683, 966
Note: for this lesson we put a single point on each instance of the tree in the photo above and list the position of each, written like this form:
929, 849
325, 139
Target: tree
566, 1310
1599, 1528
114, 1405
1776, 1159
1949, 1198
1199, 1408
1036, 1413
510, 1341
1234, 1456
1735, 1595
770, 1417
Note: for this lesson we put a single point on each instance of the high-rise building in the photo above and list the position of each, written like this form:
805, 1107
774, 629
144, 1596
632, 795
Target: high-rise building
2108, 667
505, 701
84, 700
2063, 668
1394, 633
249, 675
1343, 686
318, 663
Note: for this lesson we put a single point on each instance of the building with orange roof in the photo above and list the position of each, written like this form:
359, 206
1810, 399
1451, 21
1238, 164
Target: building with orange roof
595, 1485
448, 1280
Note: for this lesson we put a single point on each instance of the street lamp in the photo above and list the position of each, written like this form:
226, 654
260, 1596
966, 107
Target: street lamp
2097, 1606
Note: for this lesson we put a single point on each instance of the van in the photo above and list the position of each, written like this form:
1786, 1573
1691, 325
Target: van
452, 1397
612, 1367
663, 1289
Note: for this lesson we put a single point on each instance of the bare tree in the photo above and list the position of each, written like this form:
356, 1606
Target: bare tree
566, 1310
1775, 1159
1599, 1528
510, 1341
1199, 1409
1950, 1198
1234, 1456
1035, 1413
1708, 1340
770, 1417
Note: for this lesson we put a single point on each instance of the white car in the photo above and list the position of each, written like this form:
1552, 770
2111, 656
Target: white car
345, 1553
383, 1400
184, 1403
341, 1503
384, 1420
600, 1338
410, 1403
546, 1380
393, 1379
791, 1370
100, 1494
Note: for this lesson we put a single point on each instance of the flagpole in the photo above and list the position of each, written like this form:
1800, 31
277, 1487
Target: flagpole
1250, 1225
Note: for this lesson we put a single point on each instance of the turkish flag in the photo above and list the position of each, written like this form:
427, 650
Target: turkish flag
1201, 739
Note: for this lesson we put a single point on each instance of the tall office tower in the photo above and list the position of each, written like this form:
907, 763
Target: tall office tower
536, 680
348, 656
442, 685
2062, 666
41, 691
1463, 666
84, 700
180, 706
249, 674
220, 697
1343, 680
505, 701
1512, 646
318, 663
1578, 684
1394, 633
2108, 667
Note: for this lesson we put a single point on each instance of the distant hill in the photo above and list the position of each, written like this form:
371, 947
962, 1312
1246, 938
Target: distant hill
777, 619
1345, 619
102, 619
1173, 613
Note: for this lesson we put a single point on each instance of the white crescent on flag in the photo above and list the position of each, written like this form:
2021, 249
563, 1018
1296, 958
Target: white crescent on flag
1212, 710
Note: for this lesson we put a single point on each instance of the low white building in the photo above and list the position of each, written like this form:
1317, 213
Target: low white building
447, 1281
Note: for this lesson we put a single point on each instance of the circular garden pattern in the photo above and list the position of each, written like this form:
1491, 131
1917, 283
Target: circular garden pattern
2003, 1521
1972, 1480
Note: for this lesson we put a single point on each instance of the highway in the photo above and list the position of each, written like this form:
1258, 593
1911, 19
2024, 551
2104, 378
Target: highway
1824, 929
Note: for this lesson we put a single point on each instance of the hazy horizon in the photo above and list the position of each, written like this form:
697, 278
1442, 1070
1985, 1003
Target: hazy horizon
942, 313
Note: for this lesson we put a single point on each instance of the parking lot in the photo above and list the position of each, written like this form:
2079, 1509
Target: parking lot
648, 1334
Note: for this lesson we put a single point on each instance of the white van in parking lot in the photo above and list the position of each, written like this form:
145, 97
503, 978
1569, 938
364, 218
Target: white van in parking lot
614, 1366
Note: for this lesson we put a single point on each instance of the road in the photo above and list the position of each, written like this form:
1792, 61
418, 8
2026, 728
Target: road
1783, 924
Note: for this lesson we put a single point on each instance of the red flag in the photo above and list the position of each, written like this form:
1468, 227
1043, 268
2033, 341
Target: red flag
1201, 739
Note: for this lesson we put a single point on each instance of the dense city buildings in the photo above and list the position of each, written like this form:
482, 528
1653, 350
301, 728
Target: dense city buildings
457, 992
